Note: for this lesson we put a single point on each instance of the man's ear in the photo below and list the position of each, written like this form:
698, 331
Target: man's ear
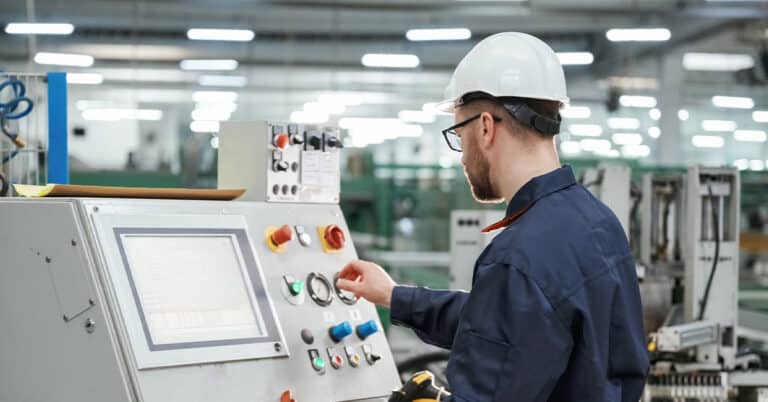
488, 134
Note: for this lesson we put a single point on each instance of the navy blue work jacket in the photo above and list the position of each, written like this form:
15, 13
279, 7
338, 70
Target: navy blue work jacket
554, 312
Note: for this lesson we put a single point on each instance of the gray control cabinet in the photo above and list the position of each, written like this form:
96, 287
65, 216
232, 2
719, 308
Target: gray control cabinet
131, 300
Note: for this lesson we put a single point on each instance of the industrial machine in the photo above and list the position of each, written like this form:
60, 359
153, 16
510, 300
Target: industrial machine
611, 184
691, 227
186, 300
468, 241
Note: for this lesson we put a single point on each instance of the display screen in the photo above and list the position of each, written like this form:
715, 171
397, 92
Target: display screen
192, 289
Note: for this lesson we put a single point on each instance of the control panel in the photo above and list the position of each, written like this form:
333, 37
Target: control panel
468, 241
280, 162
195, 301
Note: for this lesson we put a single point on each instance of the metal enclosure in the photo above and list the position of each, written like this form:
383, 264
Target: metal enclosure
467, 242
713, 194
611, 185
193, 301
69, 325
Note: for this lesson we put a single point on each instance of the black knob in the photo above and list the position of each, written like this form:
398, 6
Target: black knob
316, 142
334, 142
280, 166
296, 140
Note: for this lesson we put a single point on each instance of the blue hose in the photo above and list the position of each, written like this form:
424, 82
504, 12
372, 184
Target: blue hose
10, 110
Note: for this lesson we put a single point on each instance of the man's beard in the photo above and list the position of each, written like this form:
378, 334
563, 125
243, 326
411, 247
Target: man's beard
478, 175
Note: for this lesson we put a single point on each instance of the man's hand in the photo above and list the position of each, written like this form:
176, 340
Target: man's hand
367, 280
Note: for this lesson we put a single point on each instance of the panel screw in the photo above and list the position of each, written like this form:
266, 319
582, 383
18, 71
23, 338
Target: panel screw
74, 243
278, 347
90, 326
48, 259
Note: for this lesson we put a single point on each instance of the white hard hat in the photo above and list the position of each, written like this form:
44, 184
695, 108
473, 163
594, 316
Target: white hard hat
508, 64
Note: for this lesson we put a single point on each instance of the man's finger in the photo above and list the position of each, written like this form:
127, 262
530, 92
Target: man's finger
350, 286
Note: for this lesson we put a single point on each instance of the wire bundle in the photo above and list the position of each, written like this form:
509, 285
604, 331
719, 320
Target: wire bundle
17, 106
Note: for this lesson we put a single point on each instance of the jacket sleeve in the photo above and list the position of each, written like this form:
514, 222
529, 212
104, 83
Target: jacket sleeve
515, 348
432, 314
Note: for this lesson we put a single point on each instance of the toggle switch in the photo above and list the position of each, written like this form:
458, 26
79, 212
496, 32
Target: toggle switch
370, 357
367, 329
280, 166
316, 142
334, 142
295, 287
282, 141
340, 331
276, 238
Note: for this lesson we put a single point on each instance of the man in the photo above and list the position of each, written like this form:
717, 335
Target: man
554, 313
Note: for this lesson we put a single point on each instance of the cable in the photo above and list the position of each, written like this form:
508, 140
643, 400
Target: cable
716, 227
4, 186
10, 109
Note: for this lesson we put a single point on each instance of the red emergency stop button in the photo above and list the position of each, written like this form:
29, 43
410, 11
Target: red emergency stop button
282, 235
334, 237
282, 141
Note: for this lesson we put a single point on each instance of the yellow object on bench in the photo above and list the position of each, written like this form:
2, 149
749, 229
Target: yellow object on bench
69, 190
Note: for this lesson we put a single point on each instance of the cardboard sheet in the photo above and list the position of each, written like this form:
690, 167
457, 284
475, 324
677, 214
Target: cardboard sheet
70, 190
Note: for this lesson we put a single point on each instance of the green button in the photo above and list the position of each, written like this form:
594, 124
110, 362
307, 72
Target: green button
319, 363
296, 287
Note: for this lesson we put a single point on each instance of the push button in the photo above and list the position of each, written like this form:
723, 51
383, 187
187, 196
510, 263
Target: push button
367, 329
336, 360
282, 141
332, 238
296, 287
282, 235
340, 331
317, 362
352, 356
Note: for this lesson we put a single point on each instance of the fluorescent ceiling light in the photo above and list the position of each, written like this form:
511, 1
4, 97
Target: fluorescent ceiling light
585, 130
438, 34
637, 101
707, 141
114, 114
220, 107
750, 135
416, 116
201, 126
627, 139
575, 58
214, 96
593, 145
223, 81
390, 60
733, 102
741, 164
654, 132
575, 112
23, 28
232, 35
683, 114
306, 117
608, 153
760, 116
717, 61
210, 115
638, 35
623, 123
718, 125
632, 83
654, 114
431, 107
570, 147
636, 151
345, 99
324, 108
85, 78
64, 59
209, 64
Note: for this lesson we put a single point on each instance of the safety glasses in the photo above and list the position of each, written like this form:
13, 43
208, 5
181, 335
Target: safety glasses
452, 137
